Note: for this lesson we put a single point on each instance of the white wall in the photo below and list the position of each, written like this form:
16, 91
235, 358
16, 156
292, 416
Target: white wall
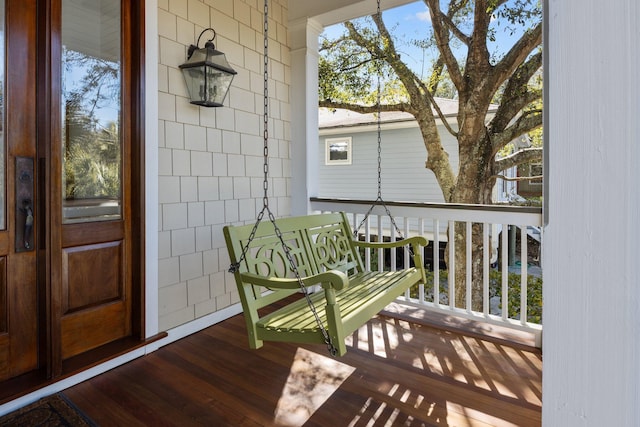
210, 160
591, 338
404, 176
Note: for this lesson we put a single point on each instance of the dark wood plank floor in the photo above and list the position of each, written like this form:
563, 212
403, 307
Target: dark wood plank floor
395, 373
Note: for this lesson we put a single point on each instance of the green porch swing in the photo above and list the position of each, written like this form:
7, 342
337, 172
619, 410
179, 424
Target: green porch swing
274, 260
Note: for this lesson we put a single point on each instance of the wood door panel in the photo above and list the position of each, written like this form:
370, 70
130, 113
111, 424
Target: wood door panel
88, 329
22, 307
5, 340
94, 301
4, 243
95, 232
4, 311
92, 275
4, 361
4, 326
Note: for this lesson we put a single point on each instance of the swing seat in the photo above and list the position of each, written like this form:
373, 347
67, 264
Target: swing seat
325, 254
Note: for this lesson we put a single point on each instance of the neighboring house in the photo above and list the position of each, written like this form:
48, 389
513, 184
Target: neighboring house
81, 295
348, 152
530, 187
527, 188
404, 176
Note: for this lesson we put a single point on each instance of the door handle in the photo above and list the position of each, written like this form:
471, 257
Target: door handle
28, 223
25, 216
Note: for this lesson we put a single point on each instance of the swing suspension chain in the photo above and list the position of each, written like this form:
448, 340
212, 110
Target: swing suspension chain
265, 124
379, 118
265, 199
379, 200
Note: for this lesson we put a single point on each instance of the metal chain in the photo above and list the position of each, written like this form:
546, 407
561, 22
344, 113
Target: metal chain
379, 104
325, 335
379, 200
265, 198
265, 75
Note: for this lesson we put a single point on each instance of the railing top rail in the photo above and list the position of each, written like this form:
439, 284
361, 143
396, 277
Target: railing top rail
528, 215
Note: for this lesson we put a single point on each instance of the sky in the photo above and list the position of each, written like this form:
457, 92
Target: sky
412, 21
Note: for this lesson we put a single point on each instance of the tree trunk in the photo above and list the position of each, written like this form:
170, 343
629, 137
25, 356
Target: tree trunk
460, 270
474, 185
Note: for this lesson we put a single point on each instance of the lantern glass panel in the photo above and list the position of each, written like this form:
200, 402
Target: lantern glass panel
208, 76
194, 77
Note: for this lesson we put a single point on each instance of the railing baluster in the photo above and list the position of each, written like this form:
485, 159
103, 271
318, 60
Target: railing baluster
405, 253
405, 256
524, 257
380, 239
468, 259
367, 238
451, 266
436, 262
505, 271
392, 252
485, 268
421, 285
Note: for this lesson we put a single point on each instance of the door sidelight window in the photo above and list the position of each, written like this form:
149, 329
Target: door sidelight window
91, 110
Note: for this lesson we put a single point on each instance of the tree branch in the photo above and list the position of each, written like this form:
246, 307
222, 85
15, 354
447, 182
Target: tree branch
441, 34
517, 55
439, 112
527, 122
389, 53
328, 45
455, 30
360, 41
517, 94
518, 178
436, 74
367, 109
438, 66
527, 155
478, 45
355, 66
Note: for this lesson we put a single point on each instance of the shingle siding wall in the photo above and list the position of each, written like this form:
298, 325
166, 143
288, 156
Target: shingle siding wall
210, 159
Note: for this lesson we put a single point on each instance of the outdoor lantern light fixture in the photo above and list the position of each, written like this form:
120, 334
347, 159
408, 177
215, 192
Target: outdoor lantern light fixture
207, 73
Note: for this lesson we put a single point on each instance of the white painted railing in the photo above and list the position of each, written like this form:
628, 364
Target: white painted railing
511, 269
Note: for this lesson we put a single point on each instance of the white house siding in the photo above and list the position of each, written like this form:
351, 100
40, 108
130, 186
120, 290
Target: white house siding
404, 176
591, 335
210, 159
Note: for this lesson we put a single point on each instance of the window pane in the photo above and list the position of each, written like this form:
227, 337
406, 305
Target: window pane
91, 110
338, 151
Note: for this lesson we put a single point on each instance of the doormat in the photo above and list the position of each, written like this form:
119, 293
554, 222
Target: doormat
51, 411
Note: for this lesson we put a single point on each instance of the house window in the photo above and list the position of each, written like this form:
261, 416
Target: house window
535, 169
338, 151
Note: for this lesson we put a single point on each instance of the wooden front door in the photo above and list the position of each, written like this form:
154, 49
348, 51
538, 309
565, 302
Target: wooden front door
71, 257
18, 255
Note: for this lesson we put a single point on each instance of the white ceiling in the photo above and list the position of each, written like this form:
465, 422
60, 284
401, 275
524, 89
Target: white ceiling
329, 12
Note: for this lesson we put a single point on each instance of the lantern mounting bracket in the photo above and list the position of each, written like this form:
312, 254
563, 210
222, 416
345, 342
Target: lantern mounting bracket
208, 44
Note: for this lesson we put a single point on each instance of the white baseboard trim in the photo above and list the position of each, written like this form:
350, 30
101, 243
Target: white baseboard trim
195, 326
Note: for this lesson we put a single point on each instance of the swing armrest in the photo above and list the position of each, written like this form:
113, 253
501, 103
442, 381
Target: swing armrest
329, 279
413, 240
